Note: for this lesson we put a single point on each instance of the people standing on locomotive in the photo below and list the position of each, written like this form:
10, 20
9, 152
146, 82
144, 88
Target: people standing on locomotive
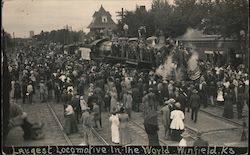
122, 49
114, 48
127, 49
141, 50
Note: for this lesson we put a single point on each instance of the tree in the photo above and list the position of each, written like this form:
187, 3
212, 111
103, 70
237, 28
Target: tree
8, 41
187, 14
162, 14
63, 36
227, 18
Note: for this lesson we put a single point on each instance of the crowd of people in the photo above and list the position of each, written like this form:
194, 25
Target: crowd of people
87, 88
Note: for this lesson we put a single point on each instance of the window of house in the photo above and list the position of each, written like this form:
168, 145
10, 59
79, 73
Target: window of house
104, 19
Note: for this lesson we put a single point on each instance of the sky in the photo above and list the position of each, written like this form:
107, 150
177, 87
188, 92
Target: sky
21, 16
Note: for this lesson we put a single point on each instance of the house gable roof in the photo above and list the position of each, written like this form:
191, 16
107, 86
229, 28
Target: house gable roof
97, 19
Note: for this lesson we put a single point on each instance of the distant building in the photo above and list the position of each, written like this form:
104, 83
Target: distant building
32, 33
102, 23
142, 8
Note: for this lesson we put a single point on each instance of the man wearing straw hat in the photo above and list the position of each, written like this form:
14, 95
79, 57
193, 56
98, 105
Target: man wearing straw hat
166, 116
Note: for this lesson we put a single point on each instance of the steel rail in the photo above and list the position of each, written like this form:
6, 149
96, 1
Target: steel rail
60, 125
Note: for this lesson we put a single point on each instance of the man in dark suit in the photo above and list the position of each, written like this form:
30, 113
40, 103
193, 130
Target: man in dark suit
75, 102
203, 91
151, 127
195, 105
183, 100
136, 99
152, 100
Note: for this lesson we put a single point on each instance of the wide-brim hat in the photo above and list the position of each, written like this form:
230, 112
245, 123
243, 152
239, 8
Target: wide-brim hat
170, 101
150, 89
195, 91
85, 108
129, 92
166, 102
165, 81
177, 104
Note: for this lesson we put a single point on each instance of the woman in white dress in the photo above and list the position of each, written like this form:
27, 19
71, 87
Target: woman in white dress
177, 123
114, 119
220, 96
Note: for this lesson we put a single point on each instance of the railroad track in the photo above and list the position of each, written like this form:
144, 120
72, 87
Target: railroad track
69, 142
75, 139
223, 118
231, 121
163, 142
234, 108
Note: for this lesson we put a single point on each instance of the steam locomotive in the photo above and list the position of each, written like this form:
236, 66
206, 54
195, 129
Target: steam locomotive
101, 50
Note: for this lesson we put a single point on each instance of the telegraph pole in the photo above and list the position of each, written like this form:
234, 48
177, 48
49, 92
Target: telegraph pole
121, 14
